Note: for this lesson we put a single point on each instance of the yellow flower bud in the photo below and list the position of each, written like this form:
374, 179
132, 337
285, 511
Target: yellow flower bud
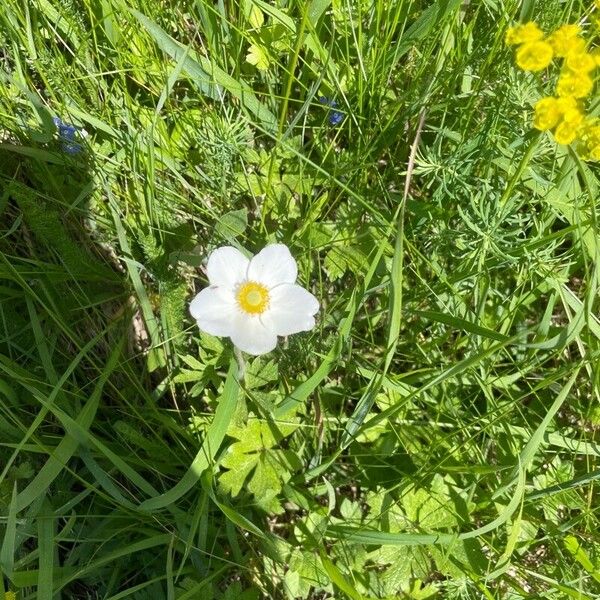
565, 133
577, 85
589, 134
590, 131
573, 116
521, 34
566, 40
547, 114
566, 103
594, 136
580, 62
596, 56
594, 153
534, 56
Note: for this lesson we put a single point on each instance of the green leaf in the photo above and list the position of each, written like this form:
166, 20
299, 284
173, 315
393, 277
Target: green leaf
463, 324
258, 57
305, 571
555, 476
240, 466
212, 442
45, 525
68, 445
7, 552
232, 224
316, 8
254, 458
361, 535
301, 393
430, 20
261, 373
343, 258
276, 14
256, 18
580, 555
339, 580
527, 11
268, 477
430, 508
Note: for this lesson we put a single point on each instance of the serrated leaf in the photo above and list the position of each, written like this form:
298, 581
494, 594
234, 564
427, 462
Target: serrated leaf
266, 481
305, 571
266, 400
558, 472
258, 57
430, 508
260, 373
253, 459
335, 264
22, 471
239, 465
187, 376
350, 510
403, 563
340, 259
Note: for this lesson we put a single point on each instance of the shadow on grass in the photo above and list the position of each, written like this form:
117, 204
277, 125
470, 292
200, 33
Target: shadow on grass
47, 247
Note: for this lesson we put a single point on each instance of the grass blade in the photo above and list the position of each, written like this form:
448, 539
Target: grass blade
212, 442
209, 76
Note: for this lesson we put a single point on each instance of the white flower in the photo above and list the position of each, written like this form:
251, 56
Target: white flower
253, 301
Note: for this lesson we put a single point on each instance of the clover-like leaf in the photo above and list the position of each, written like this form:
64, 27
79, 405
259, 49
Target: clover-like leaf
258, 57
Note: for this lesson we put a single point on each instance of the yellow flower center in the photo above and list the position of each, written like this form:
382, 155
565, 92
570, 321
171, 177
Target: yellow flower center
253, 297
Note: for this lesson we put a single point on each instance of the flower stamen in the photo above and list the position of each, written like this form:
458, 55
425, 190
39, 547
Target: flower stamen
253, 297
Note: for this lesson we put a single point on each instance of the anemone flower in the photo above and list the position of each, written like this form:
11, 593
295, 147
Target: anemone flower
252, 301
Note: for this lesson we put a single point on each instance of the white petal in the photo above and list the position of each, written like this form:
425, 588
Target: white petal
214, 309
273, 265
226, 266
251, 335
291, 309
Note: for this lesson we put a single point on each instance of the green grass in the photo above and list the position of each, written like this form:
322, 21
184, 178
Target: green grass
435, 436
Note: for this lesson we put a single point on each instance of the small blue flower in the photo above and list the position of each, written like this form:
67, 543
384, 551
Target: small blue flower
335, 117
71, 148
68, 134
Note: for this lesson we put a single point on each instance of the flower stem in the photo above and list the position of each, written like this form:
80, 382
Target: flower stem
241, 363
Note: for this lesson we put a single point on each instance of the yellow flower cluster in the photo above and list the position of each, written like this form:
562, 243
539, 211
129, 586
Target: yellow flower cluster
533, 52
562, 113
589, 136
